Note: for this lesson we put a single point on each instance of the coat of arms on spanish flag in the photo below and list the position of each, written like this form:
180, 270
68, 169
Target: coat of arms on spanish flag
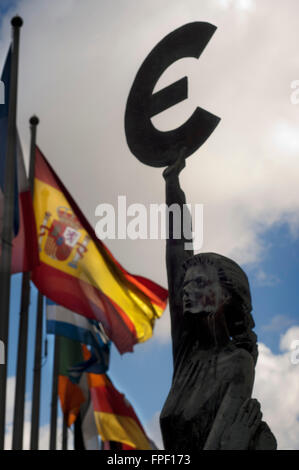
77, 270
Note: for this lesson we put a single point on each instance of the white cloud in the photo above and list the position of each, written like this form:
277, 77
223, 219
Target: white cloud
153, 430
287, 339
245, 5
277, 388
278, 323
44, 431
285, 136
265, 279
162, 328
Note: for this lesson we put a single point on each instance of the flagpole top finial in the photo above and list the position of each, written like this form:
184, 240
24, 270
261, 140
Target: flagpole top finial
34, 120
17, 22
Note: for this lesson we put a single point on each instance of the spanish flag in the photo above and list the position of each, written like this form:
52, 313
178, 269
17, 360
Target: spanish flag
77, 270
115, 418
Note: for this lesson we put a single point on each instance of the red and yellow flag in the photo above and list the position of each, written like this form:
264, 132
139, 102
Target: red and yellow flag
77, 270
115, 418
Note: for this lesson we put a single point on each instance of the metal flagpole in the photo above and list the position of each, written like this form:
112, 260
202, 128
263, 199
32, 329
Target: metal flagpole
78, 436
8, 214
53, 425
18, 426
64, 434
37, 375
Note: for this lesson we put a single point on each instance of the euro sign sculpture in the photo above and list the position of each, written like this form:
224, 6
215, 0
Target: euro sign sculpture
148, 144
209, 405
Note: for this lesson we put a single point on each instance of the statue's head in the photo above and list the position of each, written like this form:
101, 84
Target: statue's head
211, 281
215, 285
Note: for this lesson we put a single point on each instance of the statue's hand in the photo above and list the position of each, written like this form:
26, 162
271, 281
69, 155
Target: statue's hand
175, 168
239, 434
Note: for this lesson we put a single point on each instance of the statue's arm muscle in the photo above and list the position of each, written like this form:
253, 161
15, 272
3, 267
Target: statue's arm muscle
175, 256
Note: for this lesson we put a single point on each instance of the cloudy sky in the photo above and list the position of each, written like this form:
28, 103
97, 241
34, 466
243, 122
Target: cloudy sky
77, 64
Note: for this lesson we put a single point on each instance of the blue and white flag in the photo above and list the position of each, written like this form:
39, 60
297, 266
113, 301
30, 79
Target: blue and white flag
64, 322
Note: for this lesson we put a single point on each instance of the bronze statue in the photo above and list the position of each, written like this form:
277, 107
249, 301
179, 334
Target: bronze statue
209, 405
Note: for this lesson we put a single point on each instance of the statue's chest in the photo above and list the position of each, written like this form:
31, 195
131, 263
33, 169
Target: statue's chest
198, 388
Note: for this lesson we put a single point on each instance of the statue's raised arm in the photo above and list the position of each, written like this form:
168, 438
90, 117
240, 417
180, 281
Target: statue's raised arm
176, 254
209, 405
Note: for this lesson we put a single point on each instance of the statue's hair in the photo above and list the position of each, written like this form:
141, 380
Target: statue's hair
238, 312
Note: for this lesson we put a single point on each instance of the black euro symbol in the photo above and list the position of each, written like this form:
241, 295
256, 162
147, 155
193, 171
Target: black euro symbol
148, 144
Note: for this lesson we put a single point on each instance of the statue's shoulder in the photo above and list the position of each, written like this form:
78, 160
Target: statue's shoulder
240, 360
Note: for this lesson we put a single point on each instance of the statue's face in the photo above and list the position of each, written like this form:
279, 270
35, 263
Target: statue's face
202, 290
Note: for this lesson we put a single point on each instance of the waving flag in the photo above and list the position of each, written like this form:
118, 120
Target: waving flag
96, 364
94, 403
86, 429
78, 272
115, 417
71, 395
75, 399
63, 322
